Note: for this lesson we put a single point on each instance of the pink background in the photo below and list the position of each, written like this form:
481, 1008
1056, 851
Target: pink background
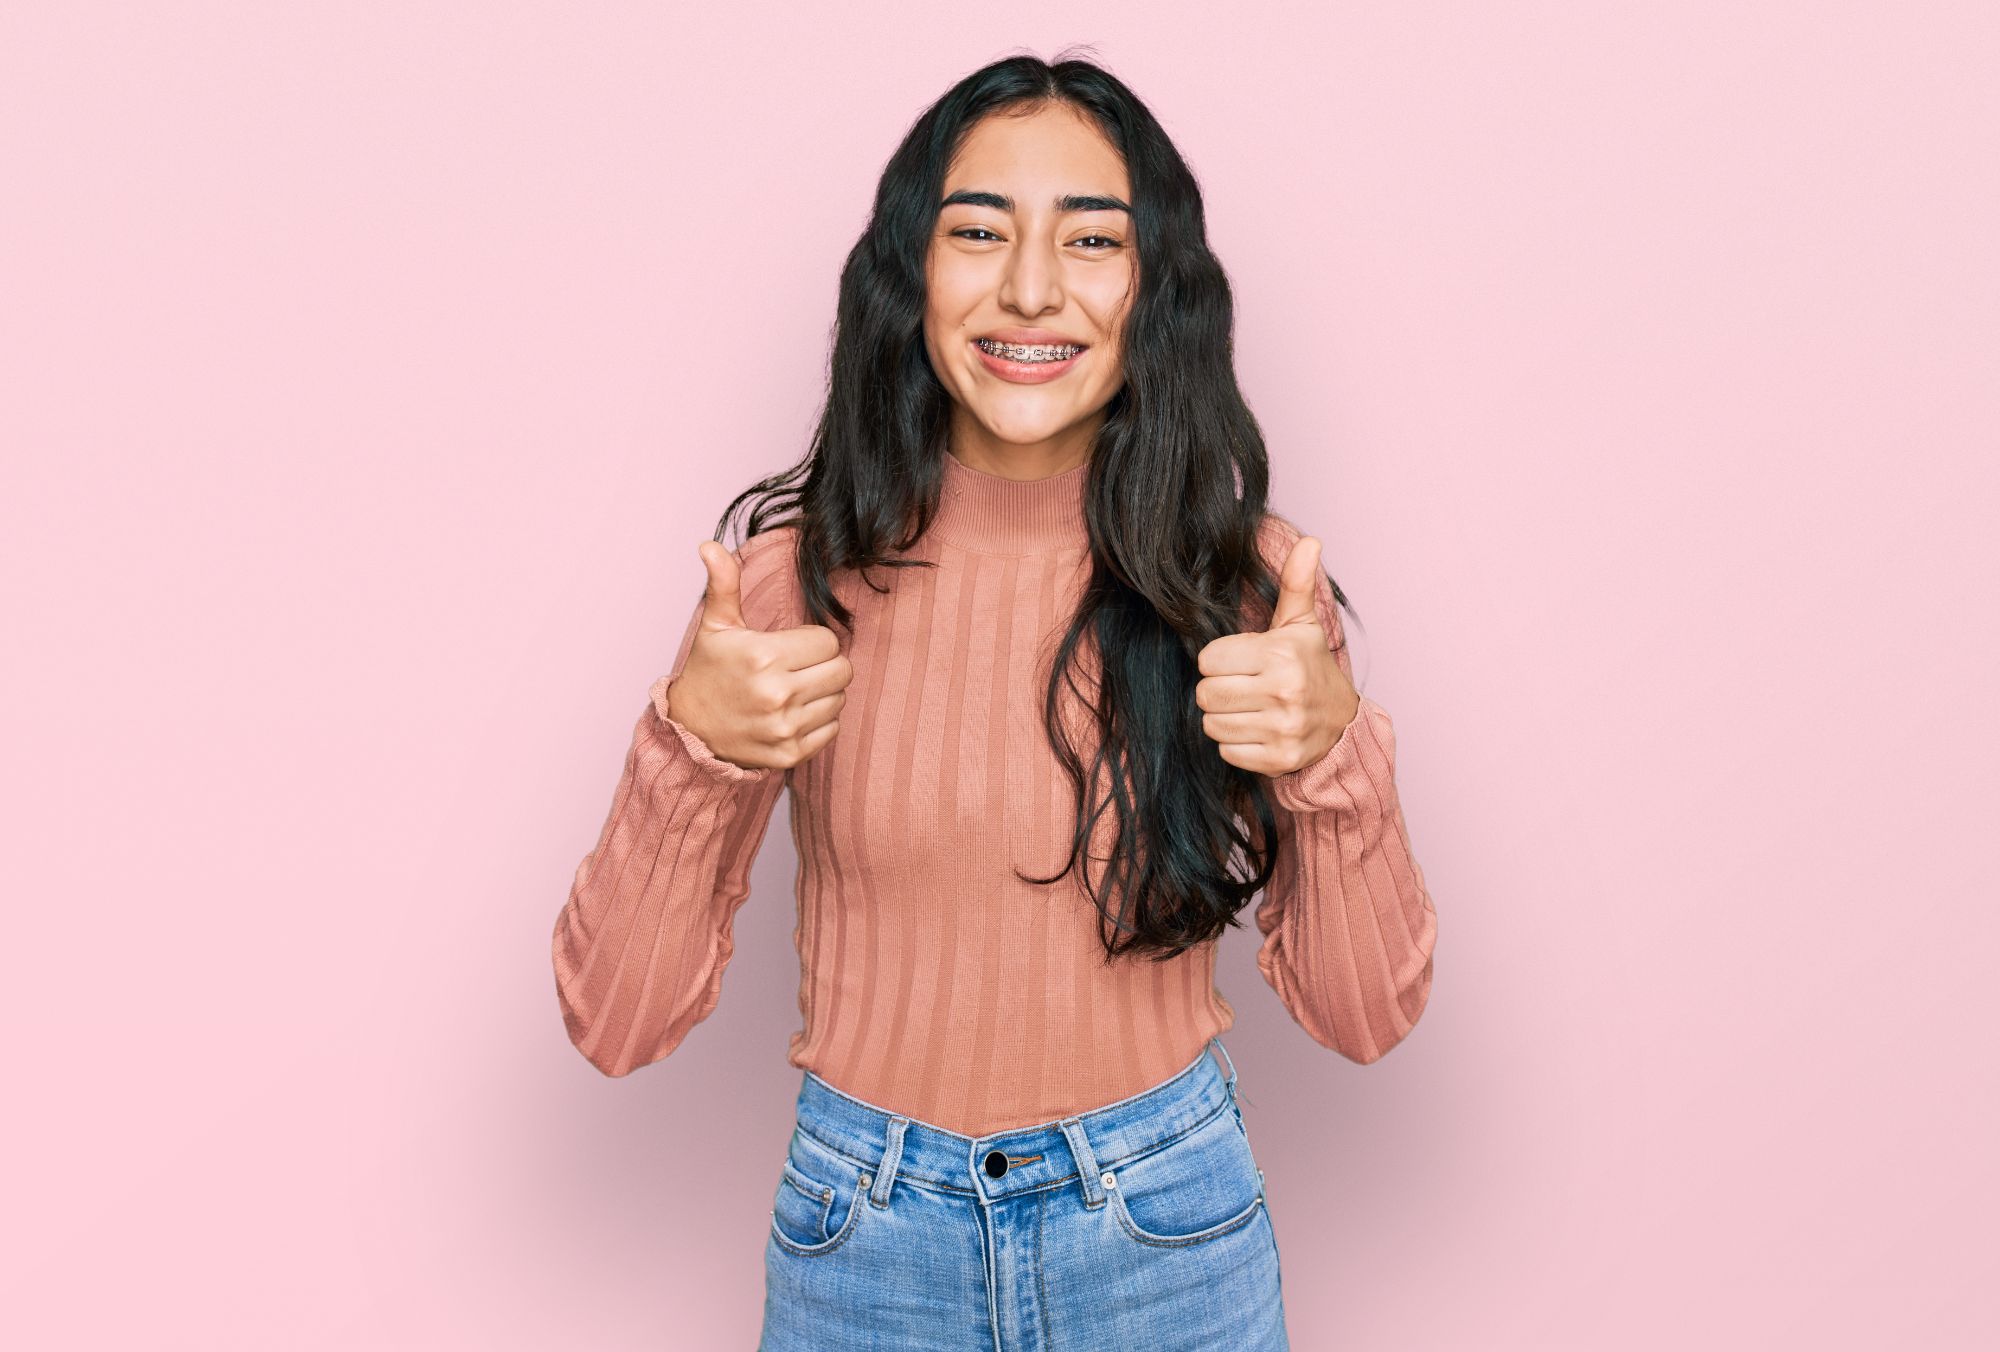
372, 371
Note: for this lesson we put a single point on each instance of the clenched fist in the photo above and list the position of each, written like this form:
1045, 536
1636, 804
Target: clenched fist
758, 700
1277, 701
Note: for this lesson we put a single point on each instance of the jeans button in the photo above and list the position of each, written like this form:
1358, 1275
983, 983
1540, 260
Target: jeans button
996, 1162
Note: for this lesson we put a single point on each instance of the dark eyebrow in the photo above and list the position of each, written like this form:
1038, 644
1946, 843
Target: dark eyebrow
1069, 202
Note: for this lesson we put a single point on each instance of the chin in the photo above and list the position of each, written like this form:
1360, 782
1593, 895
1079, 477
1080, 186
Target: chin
1027, 418
1026, 431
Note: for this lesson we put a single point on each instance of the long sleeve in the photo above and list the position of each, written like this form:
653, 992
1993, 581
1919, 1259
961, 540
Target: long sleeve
1348, 924
641, 944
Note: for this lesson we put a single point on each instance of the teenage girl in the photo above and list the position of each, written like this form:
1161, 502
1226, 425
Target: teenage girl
1055, 696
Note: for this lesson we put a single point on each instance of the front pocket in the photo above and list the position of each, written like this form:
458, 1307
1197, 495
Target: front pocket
818, 1202
1200, 1187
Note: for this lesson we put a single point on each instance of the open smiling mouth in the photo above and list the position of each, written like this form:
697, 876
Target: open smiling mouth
1028, 363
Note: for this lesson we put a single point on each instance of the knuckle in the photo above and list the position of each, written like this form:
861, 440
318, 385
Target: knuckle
802, 752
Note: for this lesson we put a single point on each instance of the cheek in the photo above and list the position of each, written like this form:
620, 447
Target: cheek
953, 291
945, 331
1112, 368
1110, 306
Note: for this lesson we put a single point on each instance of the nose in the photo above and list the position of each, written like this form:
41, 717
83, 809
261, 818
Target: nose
1033, 282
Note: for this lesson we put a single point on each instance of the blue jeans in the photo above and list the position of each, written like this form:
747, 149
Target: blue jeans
1138, 1224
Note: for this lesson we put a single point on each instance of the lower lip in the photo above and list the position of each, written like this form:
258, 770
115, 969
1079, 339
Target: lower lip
1026, 372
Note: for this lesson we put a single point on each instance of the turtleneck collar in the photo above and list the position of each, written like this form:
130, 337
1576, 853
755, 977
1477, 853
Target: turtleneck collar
991, 514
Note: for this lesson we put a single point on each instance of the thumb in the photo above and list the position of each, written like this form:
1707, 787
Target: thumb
1296, 583
723, 608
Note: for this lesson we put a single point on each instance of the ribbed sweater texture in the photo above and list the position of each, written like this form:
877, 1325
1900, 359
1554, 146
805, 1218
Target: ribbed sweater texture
933, 982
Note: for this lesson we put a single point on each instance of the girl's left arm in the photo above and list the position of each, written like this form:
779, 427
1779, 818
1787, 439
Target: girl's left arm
1348, 924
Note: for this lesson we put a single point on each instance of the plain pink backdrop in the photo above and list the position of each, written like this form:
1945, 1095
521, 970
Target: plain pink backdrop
372, 371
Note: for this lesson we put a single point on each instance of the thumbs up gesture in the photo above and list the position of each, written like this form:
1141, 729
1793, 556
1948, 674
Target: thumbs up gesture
757, 699
1276, 701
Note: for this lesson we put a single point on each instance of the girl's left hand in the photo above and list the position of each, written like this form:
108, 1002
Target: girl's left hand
1277, 701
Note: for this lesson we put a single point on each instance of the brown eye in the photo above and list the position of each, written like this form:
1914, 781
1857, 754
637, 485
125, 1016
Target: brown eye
1107, 242
969, 231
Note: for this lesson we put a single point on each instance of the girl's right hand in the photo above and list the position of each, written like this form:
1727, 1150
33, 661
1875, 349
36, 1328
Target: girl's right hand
757, 700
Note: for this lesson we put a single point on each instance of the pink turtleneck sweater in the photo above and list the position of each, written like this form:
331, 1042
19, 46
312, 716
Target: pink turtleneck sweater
932, 981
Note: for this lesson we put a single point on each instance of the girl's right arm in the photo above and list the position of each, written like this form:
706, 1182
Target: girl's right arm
641, 944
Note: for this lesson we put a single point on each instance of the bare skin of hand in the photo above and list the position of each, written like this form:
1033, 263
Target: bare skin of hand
1277, 701
757, 700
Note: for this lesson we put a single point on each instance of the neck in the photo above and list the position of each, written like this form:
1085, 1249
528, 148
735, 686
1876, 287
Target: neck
989, 513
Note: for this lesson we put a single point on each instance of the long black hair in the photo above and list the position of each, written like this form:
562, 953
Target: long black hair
1173, 500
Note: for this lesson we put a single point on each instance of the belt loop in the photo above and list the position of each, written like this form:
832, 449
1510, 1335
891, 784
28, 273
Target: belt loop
885, 1177
1217, 1040
1086, 1162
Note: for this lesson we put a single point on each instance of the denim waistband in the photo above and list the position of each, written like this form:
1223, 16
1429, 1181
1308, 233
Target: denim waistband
891, 1145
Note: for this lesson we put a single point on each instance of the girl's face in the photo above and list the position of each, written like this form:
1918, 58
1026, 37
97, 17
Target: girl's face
1034, 246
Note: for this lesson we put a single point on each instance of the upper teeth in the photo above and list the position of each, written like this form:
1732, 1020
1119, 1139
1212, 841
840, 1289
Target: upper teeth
1030, 352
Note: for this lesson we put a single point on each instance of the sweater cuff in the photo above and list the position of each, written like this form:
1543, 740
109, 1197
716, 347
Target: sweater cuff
1328, 783
698, 750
